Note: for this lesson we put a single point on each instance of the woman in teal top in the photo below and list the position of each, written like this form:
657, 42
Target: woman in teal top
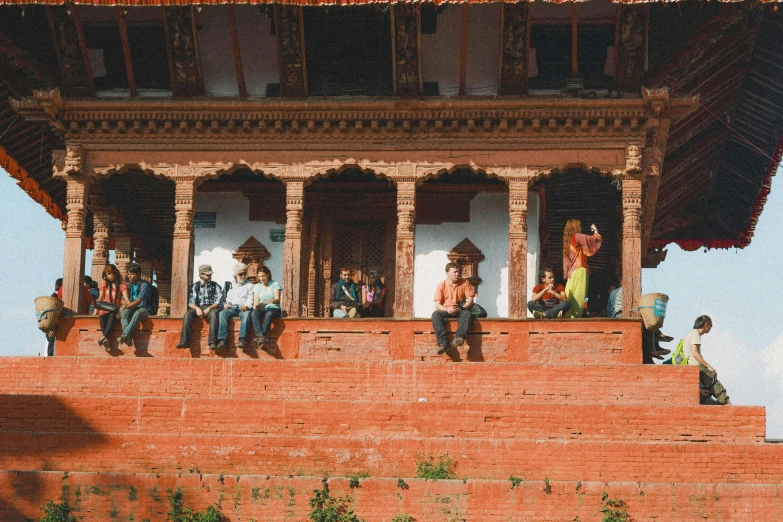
266, 304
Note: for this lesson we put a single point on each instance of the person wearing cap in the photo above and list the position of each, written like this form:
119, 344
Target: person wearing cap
138, 308
204, 301
238, 302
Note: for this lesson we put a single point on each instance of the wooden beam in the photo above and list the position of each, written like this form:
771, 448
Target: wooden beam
126, 52
75, 77
240, 72
463, 53
83, 45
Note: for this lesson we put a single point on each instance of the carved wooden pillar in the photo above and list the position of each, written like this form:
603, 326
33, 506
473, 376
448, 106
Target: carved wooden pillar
123, 249
406, 49
182, 45
145, 263
405, 251
163, 280
181, 252
631, 46
632, 244
292, 65
101, 224
292, 248
513, 57
517, 247
73, 263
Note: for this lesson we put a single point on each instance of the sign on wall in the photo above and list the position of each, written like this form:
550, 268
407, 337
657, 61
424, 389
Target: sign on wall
277, 235
205, 220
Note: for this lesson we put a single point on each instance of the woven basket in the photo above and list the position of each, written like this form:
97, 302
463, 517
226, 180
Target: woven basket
652, 308
48, 310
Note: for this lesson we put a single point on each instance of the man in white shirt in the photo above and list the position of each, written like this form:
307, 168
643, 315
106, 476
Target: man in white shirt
238, 302
691, 349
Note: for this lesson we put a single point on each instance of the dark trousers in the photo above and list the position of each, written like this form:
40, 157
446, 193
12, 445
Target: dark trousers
107, 323
187, 321
535, 306
464, 319
373, 310
262, 320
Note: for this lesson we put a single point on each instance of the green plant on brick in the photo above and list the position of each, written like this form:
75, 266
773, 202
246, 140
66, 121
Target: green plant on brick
57, 512
326, 508
613, 510
547, 487
402, 484
180, 513
436, 467
354, 480
515, 481
403, 518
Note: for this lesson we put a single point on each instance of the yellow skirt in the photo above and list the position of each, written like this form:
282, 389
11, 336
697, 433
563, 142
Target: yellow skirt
576, 291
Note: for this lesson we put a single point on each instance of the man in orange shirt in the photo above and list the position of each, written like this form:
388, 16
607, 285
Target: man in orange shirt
453, 298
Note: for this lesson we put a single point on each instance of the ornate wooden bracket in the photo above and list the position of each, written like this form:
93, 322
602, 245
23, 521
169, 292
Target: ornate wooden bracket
182, 44
513, 59
631, 46
253, 254
289, 27
406, 35
67, 38
468, 256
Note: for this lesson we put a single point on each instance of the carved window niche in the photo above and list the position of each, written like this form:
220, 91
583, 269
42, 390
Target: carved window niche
253, 254
468, 256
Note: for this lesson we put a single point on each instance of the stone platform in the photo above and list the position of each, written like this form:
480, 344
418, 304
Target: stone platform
492, 340
564, 406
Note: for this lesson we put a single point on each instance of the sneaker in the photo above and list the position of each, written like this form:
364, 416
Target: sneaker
241, 344
538, 315
222, 344
182, 345
126, 339
442, 349
560, 314
352, 313
261, 339
211, 346
457, 342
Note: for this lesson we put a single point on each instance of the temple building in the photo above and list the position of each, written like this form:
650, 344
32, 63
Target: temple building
393, 137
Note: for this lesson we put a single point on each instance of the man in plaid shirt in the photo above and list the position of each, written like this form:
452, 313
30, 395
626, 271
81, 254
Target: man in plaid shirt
204, 301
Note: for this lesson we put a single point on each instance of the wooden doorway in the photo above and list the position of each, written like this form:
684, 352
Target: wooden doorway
361, 247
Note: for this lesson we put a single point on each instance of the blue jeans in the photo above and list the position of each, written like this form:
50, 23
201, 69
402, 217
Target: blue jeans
535, 306
130, 318
268, 314
230, 313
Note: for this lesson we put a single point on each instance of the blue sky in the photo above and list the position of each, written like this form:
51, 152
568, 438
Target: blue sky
738, 289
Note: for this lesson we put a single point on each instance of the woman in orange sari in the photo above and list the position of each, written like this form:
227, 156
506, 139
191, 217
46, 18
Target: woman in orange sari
577, 247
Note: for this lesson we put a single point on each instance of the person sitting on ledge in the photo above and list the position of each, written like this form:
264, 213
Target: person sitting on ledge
204, 301
549, 299
266, 304
453, 298
138, 309
111, 291
691, 350
238, 302
345, 296
373, 296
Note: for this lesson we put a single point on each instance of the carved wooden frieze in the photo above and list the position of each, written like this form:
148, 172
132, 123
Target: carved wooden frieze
468, 256
406, 24
289, 27
253, 254
74, 76
513, 60
182, 44
631, 44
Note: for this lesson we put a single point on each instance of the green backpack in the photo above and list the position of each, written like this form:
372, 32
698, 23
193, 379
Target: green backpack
679, 358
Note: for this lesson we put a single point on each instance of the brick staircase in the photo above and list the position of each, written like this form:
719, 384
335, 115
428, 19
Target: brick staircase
115, 434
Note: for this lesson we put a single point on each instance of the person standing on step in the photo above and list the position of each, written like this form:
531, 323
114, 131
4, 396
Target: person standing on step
238, 302
204, 301
577, 247
453, 298
346, 296
549, 300
138, 309
266, 304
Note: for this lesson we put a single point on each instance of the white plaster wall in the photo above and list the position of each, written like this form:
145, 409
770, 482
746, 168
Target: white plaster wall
440, 51
533, 244
488, 230
214, 246
483, 49
217, 57
258, 49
